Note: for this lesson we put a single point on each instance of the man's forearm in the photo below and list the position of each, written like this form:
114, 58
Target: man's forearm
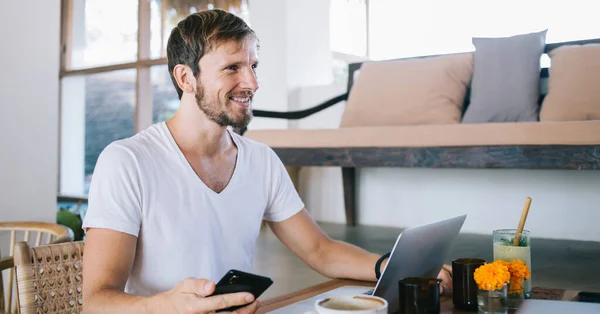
338, 259
114, 301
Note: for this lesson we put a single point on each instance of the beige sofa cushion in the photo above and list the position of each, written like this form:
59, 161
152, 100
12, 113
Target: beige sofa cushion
409, 91
484, 134
573, 84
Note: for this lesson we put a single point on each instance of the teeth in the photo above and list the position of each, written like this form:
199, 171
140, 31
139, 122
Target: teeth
247, 99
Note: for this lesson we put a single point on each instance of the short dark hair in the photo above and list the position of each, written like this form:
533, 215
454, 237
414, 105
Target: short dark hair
198, 34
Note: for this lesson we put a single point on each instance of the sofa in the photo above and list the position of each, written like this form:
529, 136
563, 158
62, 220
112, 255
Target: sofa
493, 107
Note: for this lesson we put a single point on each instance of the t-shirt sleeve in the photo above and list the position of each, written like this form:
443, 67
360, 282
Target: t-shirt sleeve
114, 198
284, 200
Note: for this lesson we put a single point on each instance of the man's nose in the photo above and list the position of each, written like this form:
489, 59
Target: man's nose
250, 80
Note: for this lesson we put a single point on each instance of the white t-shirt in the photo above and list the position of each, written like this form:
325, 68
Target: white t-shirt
144, 186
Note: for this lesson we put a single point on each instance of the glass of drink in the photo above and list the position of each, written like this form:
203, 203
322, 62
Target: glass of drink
506, 250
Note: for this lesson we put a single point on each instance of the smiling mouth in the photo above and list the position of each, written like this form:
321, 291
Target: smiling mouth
243, 100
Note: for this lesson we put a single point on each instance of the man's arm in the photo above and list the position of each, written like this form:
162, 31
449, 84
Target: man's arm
331, 258
107, 263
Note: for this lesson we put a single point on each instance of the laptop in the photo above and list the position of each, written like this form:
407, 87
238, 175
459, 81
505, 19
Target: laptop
555, 307
418, 252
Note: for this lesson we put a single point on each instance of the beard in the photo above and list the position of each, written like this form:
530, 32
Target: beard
223, 114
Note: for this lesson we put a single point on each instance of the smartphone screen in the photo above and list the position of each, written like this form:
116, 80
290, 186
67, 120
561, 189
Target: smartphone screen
238, 281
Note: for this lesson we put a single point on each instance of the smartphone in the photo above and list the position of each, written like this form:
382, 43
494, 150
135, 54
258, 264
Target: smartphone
238, 281
593, 297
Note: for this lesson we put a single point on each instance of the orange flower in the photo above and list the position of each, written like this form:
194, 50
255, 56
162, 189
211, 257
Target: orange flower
502, 262
516, 285
519, 269
492, 276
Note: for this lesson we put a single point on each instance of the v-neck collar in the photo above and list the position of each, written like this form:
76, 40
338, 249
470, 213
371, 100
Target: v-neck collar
191, 170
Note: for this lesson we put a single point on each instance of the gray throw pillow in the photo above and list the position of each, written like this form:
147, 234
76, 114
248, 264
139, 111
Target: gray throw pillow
505, 86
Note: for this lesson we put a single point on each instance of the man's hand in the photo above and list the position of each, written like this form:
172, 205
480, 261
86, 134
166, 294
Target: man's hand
193, 296
249, 309
446, 277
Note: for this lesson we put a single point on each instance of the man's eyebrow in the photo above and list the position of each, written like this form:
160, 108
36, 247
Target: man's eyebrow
228, 64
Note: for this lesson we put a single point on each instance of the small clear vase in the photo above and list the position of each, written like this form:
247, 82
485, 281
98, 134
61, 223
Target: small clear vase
493, 301
515, 293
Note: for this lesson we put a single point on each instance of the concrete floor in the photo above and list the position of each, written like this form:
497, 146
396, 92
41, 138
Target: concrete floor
555, 263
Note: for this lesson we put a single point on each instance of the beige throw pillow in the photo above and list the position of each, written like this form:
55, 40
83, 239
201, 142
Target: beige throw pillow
573, 85
411, 91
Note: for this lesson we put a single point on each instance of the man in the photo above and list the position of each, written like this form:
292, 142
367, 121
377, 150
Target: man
176, 206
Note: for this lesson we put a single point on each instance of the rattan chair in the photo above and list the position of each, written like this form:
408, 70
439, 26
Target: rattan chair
5, 264
36, 233
50, 278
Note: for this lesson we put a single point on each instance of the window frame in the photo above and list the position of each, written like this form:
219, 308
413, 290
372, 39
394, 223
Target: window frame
142, 65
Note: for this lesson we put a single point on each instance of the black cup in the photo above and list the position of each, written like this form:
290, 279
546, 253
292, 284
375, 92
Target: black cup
419, 295
464, 288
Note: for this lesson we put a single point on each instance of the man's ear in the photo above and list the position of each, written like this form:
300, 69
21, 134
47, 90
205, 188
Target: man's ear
185, 78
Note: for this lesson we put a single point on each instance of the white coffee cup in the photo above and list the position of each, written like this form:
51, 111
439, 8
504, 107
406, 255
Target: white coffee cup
351, 304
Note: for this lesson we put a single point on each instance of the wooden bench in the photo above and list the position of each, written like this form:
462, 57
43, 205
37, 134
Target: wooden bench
534, 145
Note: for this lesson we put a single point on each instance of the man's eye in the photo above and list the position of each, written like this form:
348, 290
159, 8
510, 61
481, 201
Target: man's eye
232, 67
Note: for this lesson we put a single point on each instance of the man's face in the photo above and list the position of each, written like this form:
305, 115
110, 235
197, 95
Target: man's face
227, 83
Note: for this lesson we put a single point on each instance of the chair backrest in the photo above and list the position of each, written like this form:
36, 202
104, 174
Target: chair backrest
49, 277
35, 233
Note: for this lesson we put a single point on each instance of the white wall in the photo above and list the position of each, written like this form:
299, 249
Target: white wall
29, 59
565, 203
